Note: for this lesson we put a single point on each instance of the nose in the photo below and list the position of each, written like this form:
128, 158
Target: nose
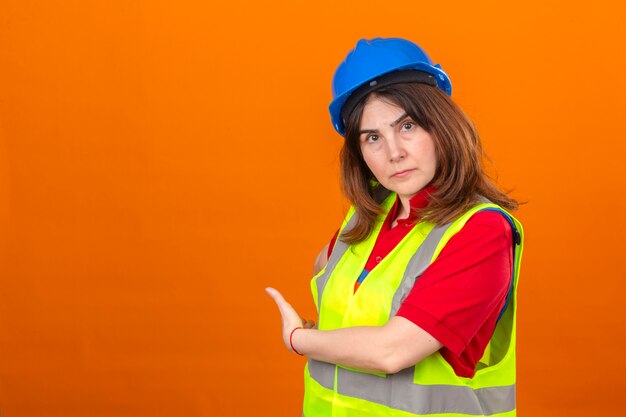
395, 149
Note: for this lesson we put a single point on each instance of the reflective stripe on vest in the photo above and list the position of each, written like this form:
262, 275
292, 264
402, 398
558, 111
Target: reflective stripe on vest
338, 251
417, 265
399, 392
429, 387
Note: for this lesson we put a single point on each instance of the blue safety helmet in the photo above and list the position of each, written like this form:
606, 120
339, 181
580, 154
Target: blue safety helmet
376, 63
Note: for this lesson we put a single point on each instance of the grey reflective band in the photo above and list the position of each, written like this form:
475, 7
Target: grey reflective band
337, 253
379, 194
417, 265
323, 373
399, 392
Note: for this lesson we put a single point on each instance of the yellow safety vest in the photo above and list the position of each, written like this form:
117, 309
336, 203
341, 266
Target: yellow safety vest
430, 387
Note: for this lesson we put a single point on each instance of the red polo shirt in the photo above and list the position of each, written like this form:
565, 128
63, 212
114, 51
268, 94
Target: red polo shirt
458, 299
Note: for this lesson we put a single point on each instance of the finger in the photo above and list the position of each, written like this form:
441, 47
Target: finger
283, 306
274, 294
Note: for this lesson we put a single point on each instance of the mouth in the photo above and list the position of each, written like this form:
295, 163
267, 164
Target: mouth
402, 173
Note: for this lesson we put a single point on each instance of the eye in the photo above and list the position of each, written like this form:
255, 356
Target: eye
371, 138
408, 125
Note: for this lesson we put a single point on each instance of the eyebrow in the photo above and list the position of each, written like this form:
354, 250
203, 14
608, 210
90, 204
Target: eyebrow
392, 124
399, 119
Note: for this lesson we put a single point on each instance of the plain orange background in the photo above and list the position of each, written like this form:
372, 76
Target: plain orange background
162, 162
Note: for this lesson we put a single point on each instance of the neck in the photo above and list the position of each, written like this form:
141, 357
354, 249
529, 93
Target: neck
404, 209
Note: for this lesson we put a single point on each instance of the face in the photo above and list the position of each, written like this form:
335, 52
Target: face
400, 154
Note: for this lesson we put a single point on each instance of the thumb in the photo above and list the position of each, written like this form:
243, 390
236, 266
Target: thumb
288, 313
278, 299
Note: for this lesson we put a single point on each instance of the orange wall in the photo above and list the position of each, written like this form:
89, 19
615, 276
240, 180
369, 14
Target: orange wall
155, 154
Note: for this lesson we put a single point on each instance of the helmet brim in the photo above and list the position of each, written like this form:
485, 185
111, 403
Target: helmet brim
335, 107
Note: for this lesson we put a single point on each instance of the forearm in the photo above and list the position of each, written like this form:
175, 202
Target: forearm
385, 349
356, 347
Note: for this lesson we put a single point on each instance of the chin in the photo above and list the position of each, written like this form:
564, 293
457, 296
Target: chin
407, 191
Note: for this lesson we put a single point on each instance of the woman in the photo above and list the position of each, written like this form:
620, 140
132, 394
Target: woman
416, 293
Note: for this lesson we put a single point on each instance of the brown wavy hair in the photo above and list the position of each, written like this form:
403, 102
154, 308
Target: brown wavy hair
460, 178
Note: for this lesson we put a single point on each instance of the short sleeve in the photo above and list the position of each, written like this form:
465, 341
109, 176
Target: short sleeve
467, 284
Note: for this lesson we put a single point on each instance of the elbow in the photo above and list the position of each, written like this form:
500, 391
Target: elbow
396, 359
392, 363
399, 345
320, 261
404, 344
